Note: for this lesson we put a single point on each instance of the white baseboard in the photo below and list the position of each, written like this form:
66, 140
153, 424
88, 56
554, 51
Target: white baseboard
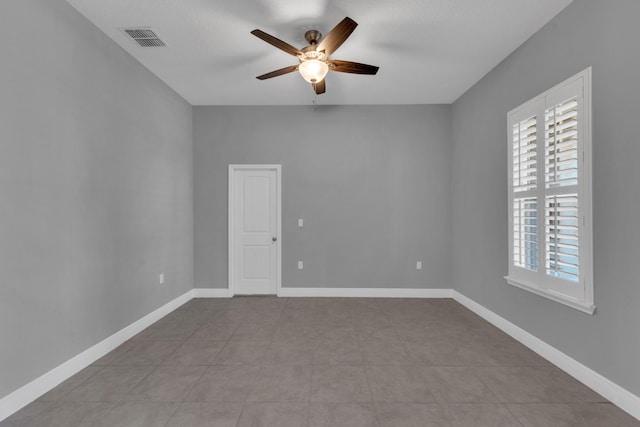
365, 292
619, 396
36, 388
336, 292
212, 293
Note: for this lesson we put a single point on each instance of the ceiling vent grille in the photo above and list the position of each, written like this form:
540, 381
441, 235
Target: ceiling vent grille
145, 37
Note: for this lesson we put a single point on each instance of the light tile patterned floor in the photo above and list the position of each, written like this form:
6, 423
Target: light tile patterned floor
278, 362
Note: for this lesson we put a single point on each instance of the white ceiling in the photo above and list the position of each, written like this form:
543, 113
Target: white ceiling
428, 51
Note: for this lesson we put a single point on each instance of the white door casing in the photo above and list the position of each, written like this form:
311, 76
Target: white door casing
254, 229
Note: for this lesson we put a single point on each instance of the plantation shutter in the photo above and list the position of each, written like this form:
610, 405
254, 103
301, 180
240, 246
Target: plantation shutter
550, 194
562, 244
524, 184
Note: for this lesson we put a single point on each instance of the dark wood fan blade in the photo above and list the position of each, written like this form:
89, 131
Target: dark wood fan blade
337, 36
276, 42
320, 87
276, 73
352, 67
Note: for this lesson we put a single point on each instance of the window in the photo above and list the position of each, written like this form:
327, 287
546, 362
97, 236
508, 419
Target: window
550, 194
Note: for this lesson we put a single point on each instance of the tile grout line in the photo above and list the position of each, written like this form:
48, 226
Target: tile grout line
500, 402
373, 402
312, 367
513, 415
178, 404
186, 395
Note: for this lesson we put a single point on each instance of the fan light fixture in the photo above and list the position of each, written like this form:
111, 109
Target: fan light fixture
313, 70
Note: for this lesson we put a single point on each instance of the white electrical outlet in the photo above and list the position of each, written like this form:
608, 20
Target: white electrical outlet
300, 265
161, 278
300, 222
419, 265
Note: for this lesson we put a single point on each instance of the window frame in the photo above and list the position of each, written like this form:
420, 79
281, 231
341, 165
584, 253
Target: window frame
539, 282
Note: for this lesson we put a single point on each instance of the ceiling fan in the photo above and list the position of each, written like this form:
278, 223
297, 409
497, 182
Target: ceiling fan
314, 62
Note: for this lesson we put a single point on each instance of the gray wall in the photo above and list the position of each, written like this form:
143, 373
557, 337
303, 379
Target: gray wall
95, 189
371, 183
588, 33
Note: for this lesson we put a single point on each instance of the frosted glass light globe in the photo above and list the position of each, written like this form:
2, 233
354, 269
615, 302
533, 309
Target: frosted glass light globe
313, 70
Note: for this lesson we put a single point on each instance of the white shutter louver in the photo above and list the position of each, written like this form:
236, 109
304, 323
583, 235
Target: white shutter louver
524, 155
561, 144
561, 183
562, 233
525, 233
524, 181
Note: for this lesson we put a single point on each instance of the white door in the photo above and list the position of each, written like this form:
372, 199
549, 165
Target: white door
253, 229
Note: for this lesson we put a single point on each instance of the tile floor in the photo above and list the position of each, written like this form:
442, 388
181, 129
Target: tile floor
265, 361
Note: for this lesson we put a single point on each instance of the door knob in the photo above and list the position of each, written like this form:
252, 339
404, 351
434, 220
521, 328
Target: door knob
274, 238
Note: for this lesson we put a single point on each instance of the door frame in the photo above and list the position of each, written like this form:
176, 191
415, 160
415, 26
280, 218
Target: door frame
232, 202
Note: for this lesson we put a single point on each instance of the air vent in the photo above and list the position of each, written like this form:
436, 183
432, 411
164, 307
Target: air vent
145, 37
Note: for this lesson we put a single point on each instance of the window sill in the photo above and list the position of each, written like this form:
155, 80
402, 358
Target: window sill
585, 308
